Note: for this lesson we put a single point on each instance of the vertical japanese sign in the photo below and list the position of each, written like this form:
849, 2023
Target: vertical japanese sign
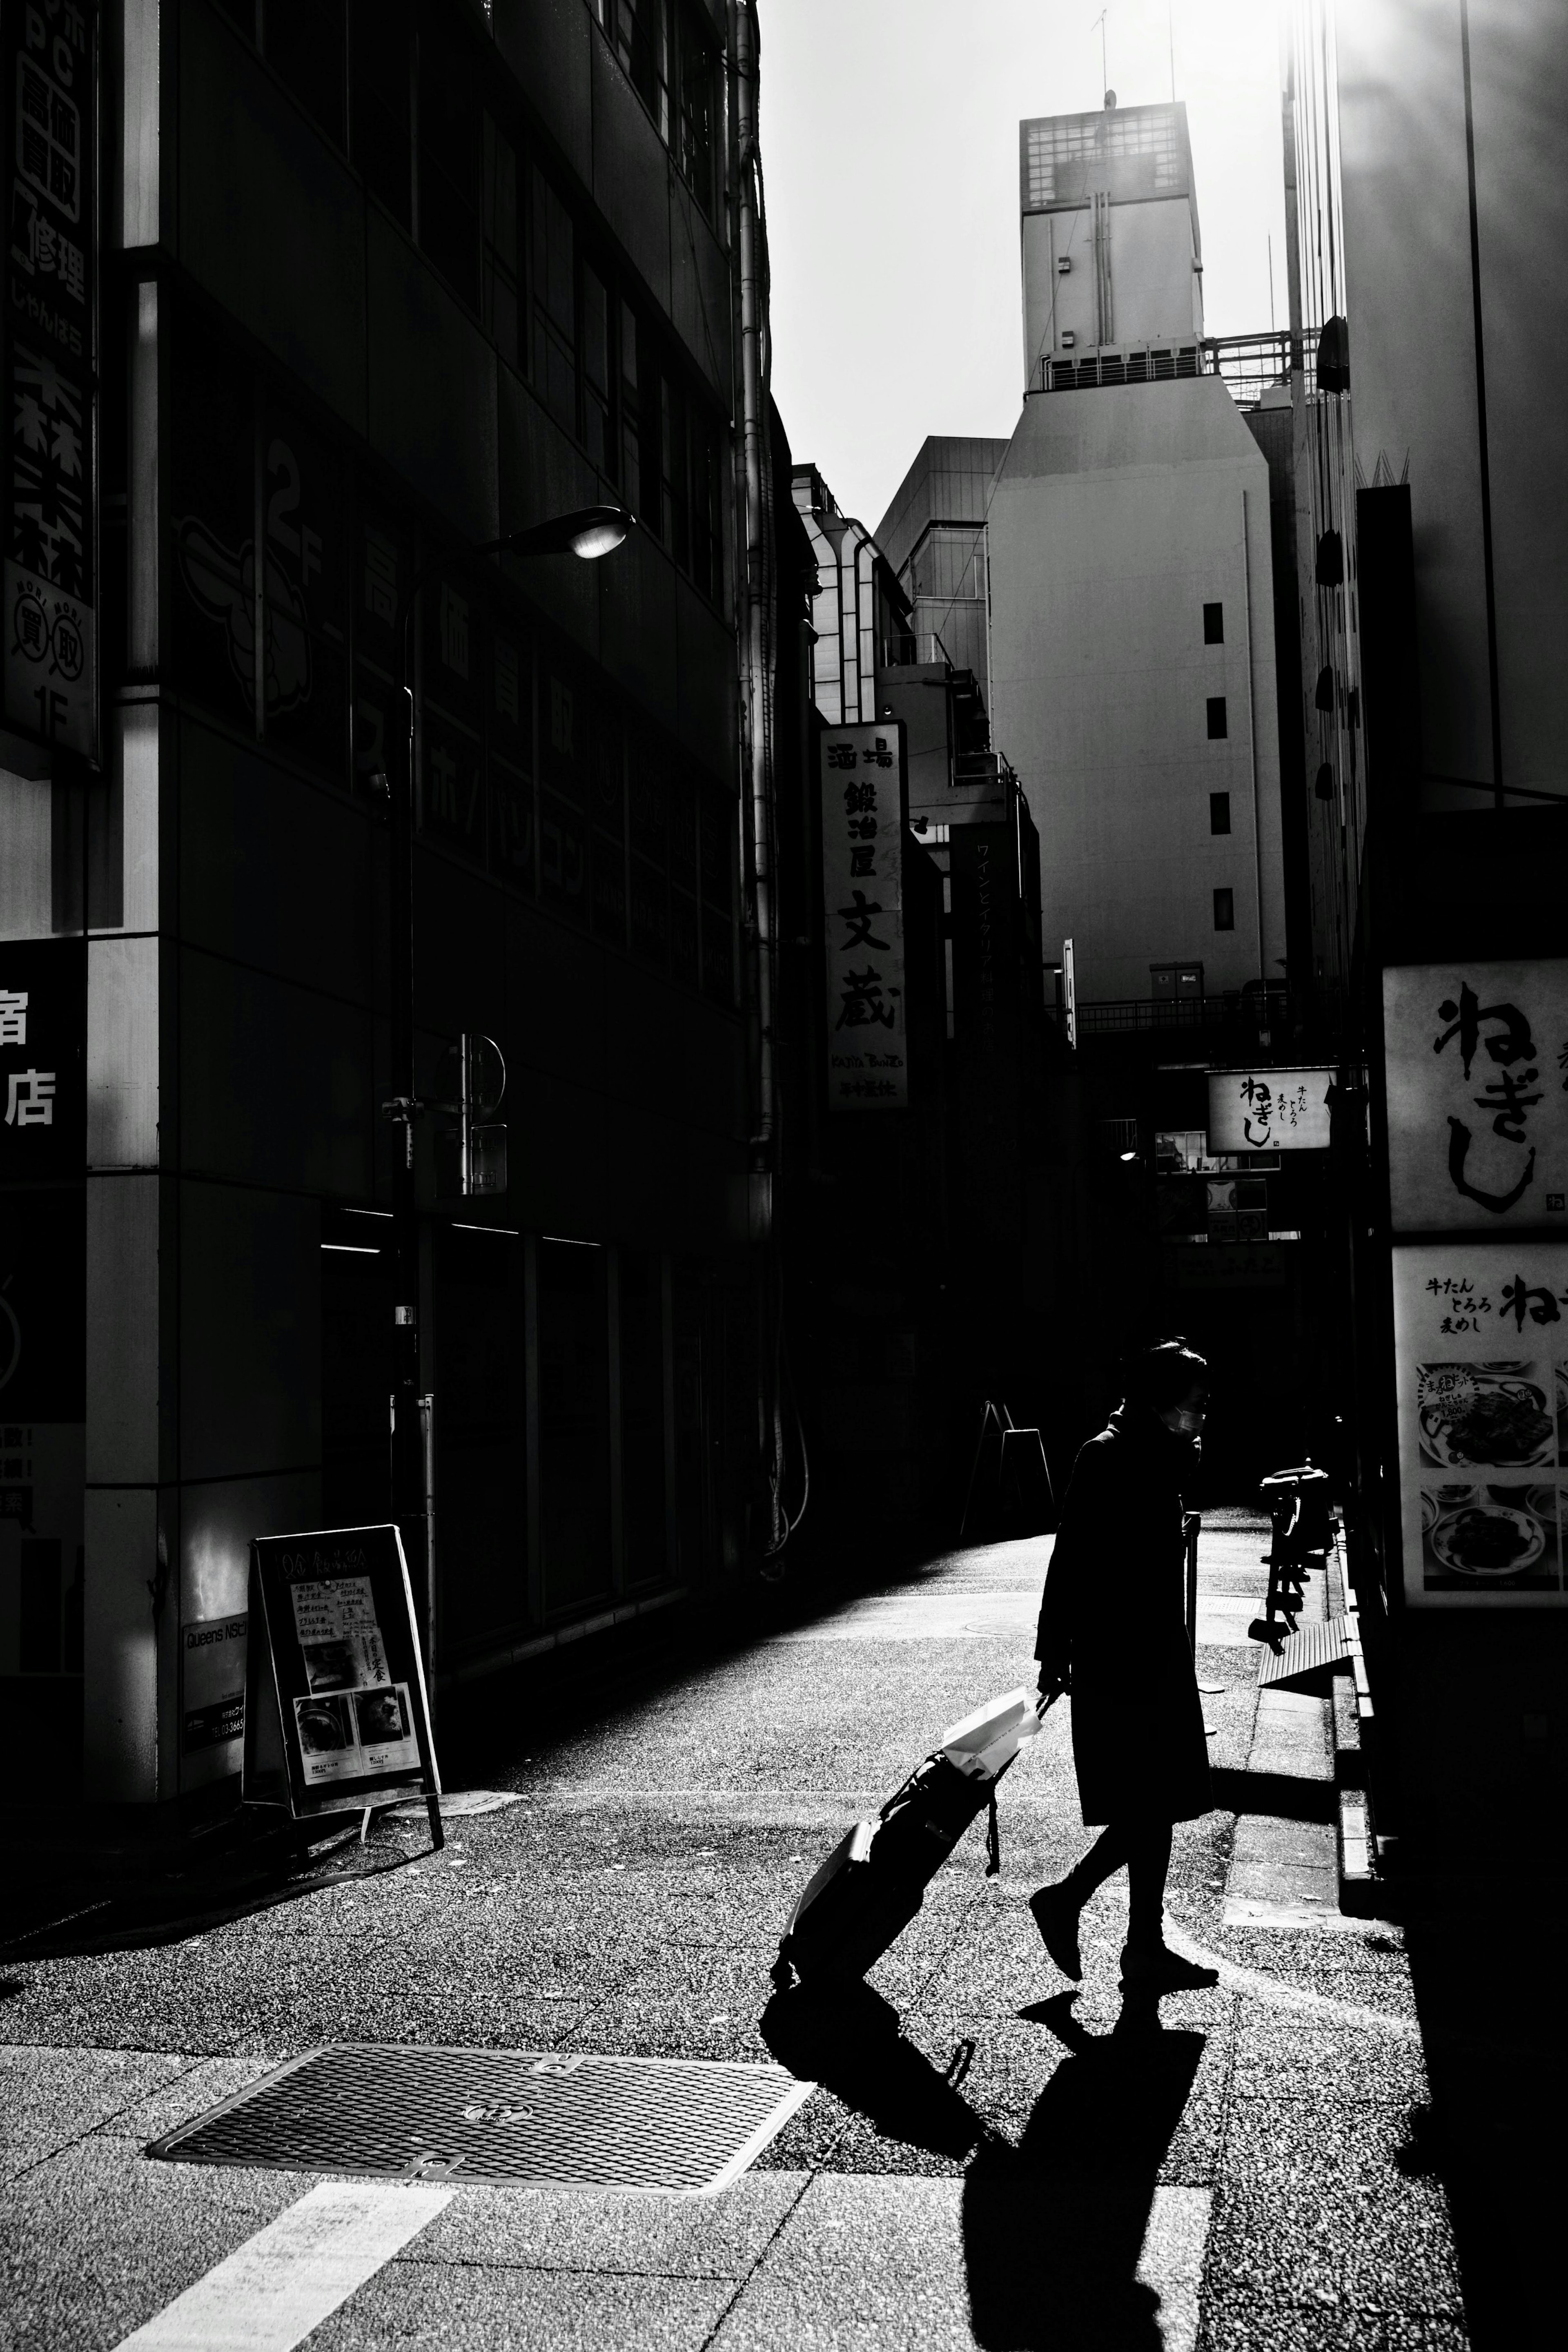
48, 61
1476, 1058
1070, 991
43, 1060
863, 913
1477, 1065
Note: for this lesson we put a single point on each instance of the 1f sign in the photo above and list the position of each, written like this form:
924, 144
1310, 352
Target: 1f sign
863, 914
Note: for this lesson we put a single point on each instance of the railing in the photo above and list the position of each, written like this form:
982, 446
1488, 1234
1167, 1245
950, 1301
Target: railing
1283, 1011
911, 647
1249, 364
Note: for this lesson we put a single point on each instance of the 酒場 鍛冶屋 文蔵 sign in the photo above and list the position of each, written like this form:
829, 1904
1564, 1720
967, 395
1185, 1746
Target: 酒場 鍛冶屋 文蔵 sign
863, 915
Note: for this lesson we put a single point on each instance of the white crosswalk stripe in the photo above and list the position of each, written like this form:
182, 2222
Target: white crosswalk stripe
269, 2294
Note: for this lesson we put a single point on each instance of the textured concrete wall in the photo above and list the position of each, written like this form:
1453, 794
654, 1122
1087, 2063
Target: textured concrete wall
1119, 515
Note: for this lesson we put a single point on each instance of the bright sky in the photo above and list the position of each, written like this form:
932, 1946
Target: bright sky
889, 154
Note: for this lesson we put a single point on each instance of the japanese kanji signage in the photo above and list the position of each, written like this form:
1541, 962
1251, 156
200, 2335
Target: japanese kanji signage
863, 913
1476, 1063
49, 120
1481, 1344
1269, 1110
43, 1057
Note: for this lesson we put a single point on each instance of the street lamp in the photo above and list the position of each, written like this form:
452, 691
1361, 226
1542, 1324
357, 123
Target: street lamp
588, 533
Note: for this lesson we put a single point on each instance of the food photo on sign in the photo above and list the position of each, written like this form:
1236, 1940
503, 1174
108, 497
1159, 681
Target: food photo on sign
1481, 1354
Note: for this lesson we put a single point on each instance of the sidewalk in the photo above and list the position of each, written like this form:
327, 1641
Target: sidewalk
986, 2162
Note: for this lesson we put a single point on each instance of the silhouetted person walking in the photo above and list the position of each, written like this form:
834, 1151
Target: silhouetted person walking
1112, 1631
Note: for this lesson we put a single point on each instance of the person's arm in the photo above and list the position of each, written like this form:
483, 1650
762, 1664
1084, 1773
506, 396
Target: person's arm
1063, 1582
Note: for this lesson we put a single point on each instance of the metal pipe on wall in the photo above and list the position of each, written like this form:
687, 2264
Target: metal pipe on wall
756, 586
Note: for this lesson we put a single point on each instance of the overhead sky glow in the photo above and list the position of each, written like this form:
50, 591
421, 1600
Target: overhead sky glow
890, 150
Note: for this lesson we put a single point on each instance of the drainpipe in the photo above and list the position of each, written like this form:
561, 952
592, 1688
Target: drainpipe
757, 589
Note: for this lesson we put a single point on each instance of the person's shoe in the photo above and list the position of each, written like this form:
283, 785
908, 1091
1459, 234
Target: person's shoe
1056, 1917
1156, 1968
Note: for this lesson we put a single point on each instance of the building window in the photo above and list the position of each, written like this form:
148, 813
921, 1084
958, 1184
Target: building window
677, 518
1219, 811
597, 438
694, 126
307, 45
500, 287
638, 32
631, 414
554, 307
1213, 624
1216, 725
380, 132
706, 544
1225, 910
449, 153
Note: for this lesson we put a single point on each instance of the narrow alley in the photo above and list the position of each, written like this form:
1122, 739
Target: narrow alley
986, 2158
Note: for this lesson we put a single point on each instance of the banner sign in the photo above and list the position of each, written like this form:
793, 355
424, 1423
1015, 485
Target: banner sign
1476, 1057
1481, 1345
863, 915
1269, 1110
336, 1712
48, 122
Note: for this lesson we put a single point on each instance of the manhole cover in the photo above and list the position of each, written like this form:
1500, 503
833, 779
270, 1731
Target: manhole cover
690, 2126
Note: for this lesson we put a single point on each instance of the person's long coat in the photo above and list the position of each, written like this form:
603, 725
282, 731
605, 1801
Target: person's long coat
1113, 1616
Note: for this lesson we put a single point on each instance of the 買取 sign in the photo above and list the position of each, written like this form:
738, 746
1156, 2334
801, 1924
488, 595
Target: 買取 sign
43, 1059
863, 915
1269, 1110
1480, 1333
1476, 1057
49, 127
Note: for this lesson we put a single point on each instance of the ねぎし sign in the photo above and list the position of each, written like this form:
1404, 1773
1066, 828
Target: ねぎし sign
1269, 1110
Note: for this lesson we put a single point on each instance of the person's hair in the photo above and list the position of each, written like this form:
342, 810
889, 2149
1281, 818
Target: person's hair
1162, 1375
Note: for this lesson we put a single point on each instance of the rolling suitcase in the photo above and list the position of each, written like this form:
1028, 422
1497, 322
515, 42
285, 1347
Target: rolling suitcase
875, 1880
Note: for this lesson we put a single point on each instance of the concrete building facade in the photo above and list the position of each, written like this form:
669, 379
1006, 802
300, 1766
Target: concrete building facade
380, 282
1132, 654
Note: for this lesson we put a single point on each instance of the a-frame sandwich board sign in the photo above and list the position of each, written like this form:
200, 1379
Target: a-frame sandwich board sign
337, 1716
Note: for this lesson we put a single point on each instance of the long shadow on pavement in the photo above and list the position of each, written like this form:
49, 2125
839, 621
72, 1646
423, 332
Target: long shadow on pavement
1054, 2228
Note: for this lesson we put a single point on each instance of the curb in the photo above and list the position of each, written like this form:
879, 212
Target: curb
1363, 1889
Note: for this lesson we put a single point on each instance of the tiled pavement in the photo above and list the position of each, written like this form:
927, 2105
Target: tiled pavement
989, 2159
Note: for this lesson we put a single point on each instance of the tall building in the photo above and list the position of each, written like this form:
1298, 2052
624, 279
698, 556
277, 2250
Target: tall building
1132, 659
934, 535
380, 281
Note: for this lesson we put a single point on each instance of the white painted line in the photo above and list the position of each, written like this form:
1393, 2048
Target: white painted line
1280, 1995
269, 2294
1170, 2262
